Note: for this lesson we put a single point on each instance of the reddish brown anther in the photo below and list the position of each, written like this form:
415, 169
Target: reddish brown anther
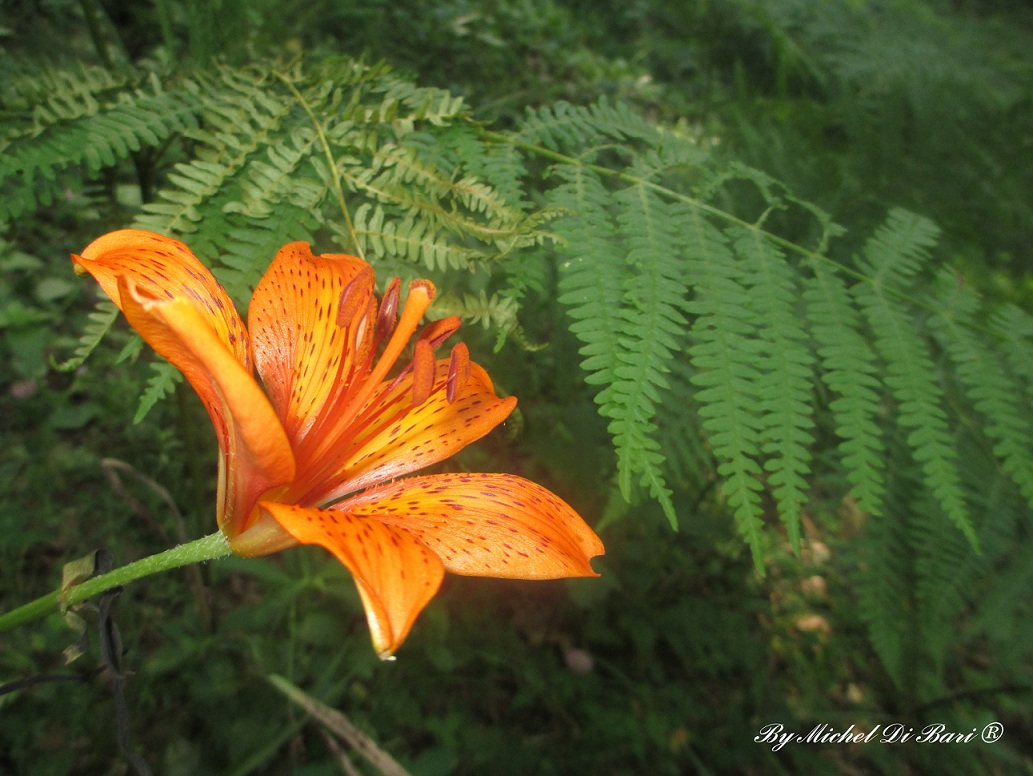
354, 296
388, 314
422, 373
458, 371
436, 332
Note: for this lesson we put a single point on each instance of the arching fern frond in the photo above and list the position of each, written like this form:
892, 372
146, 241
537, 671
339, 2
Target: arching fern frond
494, 312
410, 239
784, 370
653, 297
593, 269
564, 125
892, 257
1013, 329
724, 353
81, 128
994, 392
163, 381
98, 323
623, 296
850, 371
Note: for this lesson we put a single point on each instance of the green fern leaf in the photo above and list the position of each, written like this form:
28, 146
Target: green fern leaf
725, 353
98, 323
650, 334
785, 367
79, 131
1013, 328
849, 369
993, 392
592, 278
162, 383
892, 256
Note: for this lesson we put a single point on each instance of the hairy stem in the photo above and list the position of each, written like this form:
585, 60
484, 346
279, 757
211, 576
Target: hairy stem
207, 548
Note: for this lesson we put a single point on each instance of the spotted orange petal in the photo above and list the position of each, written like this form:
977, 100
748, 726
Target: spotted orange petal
179, 308
491, 525
395, 573
161, 267
255, 453
311, 320
393, 437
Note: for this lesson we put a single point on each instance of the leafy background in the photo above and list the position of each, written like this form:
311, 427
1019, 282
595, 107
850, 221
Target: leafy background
756, 270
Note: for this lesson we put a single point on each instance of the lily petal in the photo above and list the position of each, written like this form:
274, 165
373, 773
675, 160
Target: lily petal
311, 320
490, 525
393, 437
255, 453
395, 573
161, 267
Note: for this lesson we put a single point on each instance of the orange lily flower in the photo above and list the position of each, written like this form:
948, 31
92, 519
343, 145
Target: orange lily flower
311, 451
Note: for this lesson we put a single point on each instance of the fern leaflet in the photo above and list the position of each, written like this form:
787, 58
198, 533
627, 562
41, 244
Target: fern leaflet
849, 369
785, 366
993, 392
724, 354
893, 255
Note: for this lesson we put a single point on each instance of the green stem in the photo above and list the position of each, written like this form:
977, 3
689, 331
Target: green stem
334, 173
712, 210
207, 548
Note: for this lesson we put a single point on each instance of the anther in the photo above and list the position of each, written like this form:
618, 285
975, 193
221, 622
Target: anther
388, 314
354, 297
423, 369
436, 332
458, 371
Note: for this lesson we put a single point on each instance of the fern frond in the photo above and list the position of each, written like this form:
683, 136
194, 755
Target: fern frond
992, 390
564, 125
688, 459
592, 278
98, 322
248, 246
724, 354
785, 367
850, 371
39, 99
621, 315
85, 129
898, 250
162, 383
1013, 328
500, 164
236, 101
409, 239
494, 312
893, 255
651, 331
882, 578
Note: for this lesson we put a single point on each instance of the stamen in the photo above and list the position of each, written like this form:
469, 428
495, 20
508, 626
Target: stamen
458, 371
360, 331
354, 295
388, 309
421, 294
438, 331
423, 369
347, 405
